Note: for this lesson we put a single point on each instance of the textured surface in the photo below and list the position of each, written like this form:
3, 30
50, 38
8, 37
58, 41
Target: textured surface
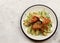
10, 13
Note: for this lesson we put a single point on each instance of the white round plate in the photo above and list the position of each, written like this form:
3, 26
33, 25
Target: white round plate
52, 15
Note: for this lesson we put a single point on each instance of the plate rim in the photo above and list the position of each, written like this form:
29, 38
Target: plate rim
46, 7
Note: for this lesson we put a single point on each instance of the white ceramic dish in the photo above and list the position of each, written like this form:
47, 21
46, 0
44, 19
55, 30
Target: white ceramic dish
53, 17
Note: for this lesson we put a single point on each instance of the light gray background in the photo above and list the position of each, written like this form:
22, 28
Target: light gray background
10, 13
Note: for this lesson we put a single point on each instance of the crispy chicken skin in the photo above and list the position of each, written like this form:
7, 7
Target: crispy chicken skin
33, 19
40, 26
37, 25
46, 20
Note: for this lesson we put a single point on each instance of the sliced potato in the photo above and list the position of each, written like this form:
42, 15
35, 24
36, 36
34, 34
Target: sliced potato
37, 32
33, 32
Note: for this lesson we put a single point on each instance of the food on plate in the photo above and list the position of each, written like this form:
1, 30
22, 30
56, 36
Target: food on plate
38, 23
